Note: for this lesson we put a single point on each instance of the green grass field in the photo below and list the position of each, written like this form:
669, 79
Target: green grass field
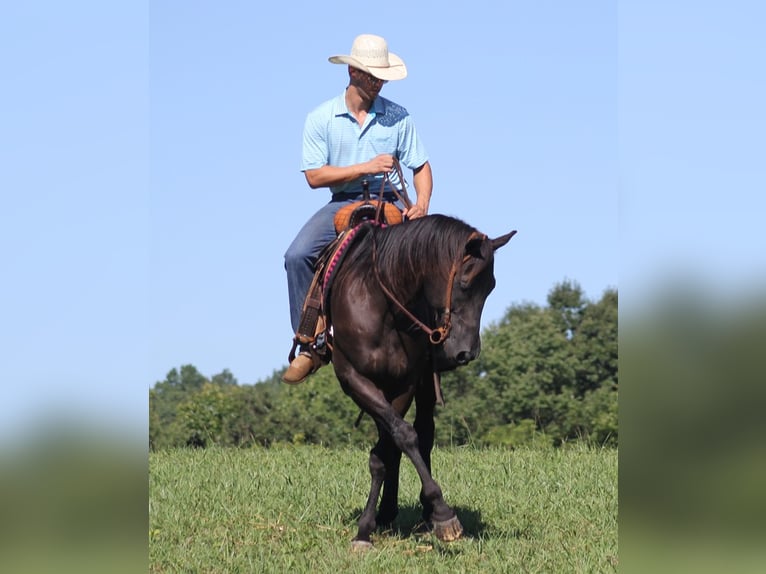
294, 509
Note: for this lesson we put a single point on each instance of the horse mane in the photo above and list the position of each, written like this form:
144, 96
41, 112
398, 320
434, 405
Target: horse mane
406, 252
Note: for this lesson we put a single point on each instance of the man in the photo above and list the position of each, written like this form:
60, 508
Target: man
353, 137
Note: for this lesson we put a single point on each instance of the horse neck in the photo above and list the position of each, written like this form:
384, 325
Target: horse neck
408, 268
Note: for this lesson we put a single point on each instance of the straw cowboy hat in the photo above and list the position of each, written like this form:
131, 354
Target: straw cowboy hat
370, 53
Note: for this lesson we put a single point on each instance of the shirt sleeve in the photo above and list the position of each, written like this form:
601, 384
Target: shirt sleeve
315, 148
412, 152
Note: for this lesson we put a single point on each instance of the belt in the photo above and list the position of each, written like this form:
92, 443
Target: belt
344, 196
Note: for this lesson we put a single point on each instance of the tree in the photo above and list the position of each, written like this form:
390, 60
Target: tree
567, 302
555, 366
224, 379
595, 345
164, 401
204, 416
545, 375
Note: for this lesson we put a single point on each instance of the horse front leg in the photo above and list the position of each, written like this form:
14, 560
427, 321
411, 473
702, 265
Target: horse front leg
444, 522
371, 399
425, 401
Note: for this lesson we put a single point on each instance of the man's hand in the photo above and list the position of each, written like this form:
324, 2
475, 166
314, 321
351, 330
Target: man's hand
382, 163
415, 211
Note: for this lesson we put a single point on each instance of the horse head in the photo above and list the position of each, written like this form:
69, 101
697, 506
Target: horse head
471, 280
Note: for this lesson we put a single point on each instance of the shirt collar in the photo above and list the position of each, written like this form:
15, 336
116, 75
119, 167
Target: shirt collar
340, 109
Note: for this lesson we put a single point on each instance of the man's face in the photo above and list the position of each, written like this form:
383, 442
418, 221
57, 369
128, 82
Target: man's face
368, 83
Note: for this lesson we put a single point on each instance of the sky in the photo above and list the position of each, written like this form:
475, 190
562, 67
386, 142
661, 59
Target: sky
150, 173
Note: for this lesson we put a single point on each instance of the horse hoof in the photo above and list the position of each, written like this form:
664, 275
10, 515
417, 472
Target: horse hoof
361, 545
448, 530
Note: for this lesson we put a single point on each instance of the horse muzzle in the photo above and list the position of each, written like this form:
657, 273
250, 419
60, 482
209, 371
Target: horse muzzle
465, 357
449, 358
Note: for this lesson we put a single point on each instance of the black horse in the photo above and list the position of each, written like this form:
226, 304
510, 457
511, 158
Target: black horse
405, 305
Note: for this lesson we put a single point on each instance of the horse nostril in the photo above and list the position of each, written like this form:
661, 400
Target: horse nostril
465, 357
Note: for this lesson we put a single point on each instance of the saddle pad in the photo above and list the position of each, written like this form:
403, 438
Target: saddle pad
333, 262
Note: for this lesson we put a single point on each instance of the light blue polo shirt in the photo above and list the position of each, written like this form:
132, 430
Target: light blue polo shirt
331, 135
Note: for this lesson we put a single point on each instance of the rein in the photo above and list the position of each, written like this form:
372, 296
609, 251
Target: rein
439, 334
403, 197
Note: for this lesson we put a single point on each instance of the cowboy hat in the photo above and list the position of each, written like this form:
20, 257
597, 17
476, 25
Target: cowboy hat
370, 54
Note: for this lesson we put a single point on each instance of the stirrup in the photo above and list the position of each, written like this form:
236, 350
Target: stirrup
317, 359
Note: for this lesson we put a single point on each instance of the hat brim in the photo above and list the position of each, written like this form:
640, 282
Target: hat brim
396, 70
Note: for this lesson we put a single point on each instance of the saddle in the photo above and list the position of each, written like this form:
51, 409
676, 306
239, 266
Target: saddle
314, 330
355, 213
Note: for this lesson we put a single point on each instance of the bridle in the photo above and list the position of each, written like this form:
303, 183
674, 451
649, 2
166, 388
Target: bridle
439, 334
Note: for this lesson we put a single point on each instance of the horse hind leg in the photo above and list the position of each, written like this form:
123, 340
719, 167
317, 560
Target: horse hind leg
392, 456
424, 427
367, 523
389, 502
384, 472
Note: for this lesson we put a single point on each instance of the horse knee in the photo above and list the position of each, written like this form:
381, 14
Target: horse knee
406, 437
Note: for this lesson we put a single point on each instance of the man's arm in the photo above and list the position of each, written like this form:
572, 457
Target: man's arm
422, 178
330, 175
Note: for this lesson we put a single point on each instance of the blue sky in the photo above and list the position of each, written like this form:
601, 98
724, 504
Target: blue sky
150, 180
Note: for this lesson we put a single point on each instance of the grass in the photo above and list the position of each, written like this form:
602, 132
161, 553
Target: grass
294, 509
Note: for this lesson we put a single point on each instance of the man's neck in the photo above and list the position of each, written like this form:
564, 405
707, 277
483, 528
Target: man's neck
357, 101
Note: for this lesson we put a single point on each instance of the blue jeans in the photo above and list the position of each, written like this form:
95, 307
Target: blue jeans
303, 252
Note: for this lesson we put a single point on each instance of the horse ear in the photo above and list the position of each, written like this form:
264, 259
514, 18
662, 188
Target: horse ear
477, 252
498, 242
476, 248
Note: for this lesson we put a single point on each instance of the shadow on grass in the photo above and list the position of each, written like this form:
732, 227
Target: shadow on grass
409, 522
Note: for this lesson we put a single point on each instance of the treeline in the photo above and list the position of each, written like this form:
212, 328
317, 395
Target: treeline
545, 376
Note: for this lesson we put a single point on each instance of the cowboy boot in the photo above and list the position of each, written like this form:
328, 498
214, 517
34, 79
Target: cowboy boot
300, 367
308, 360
